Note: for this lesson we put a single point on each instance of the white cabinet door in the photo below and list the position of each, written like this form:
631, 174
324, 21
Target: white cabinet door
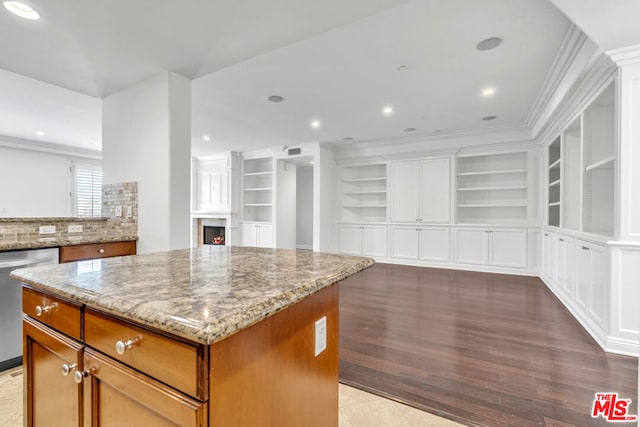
471, 245
436, 190
508, 247
582, 275
265, 236
547, 254
405, 243
563, 265
434, 244
598, 273
248, 235
374, 241
405, 191
350, 239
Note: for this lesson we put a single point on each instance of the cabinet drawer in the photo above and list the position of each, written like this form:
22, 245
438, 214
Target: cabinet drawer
97, 250
61, 315
171, 360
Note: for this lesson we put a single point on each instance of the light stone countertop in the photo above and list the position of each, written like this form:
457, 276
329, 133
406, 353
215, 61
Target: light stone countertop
203, 294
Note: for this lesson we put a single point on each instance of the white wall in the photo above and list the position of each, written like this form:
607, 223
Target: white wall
33, 184
285, 204
146, 138
304, 208
325, 186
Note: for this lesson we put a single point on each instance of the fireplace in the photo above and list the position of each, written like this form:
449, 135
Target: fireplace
213, 235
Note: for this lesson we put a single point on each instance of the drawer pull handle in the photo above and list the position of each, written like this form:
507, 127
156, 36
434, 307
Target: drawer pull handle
123, 346
562, 240
80, 375
46, 309
585, 248
101, 251
66, 368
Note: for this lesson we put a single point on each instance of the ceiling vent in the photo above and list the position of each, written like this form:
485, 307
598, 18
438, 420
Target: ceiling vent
294, 151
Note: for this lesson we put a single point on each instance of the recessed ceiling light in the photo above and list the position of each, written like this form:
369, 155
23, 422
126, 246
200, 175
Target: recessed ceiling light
22, 10
488, 91
315, 124
490, 43
40, 133
409, 130
403, 68
347, 138
206, 138
488, 118
387, 111
275, 98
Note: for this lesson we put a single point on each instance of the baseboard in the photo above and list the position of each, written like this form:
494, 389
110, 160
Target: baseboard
622, 346
10, 363
304, 247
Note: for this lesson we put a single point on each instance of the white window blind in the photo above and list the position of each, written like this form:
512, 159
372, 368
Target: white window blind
88, 191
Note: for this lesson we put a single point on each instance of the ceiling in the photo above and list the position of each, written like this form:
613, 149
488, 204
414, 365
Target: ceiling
335, 61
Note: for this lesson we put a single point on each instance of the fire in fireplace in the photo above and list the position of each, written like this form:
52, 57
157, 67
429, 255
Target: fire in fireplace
213, 235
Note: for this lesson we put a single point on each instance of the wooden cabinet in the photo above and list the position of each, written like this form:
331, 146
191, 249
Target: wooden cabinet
54, 399
500, 247
423, 243
259, 235
366, 240
421, 191
97, 250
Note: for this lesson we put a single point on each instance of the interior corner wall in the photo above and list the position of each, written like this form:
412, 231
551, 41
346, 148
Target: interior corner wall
325, 186
143, 140
304, 207
33, 184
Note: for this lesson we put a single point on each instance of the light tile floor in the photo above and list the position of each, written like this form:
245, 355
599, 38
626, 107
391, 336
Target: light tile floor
357, 408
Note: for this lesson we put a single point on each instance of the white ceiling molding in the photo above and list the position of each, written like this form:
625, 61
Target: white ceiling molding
625, 56
597, 77
48, 147
571, 45
388, 149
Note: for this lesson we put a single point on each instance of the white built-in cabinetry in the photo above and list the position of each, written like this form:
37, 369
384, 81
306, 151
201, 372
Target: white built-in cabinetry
421, 243
368, 240
258, 235
493, 188
421, 191
499, 247
364, 193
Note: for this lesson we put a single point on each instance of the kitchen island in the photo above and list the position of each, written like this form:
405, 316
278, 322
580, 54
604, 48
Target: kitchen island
217, 336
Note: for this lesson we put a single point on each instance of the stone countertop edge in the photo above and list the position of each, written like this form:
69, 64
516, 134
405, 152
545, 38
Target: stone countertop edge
56, 219
55, 242
214, 329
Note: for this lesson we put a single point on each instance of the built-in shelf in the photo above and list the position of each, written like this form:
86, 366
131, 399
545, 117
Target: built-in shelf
257, 204
257, 173
508, 187
493, 205
554, 204
606, 163
492, 172
364, 193
258, 189
554, 183
555, 165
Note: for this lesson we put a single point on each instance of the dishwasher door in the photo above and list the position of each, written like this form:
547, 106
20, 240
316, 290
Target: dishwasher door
11, 300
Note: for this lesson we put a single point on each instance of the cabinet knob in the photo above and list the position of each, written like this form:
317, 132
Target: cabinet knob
40, 310
80, 375
100, 251
123, 346
585, 248
66, 368
562, 240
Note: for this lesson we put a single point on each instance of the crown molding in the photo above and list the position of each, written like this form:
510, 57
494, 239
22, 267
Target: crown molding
571, 46
598, 76
48, 147
625, 56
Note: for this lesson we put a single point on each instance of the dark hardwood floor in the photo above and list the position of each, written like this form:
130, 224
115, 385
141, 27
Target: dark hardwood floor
481, 349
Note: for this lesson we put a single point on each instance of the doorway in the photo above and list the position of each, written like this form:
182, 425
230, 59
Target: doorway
294, 203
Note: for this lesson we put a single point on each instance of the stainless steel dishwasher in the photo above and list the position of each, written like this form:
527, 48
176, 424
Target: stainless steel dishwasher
11, 300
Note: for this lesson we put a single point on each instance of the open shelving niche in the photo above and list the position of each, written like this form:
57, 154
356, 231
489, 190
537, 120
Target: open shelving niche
257, 198
492, 188
364, 193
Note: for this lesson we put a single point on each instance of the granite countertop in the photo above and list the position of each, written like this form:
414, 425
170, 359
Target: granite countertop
56, 241
203, 294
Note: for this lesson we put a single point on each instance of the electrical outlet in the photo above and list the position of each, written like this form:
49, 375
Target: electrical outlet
129, 211
118, 211
321, 335
74, 228
47, 229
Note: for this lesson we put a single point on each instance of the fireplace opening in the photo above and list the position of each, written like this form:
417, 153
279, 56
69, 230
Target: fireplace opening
213, 235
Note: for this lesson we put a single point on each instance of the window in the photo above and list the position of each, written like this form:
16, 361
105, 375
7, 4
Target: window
87, 190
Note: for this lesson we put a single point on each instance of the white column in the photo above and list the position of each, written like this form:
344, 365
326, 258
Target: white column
146, 137
624, 324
